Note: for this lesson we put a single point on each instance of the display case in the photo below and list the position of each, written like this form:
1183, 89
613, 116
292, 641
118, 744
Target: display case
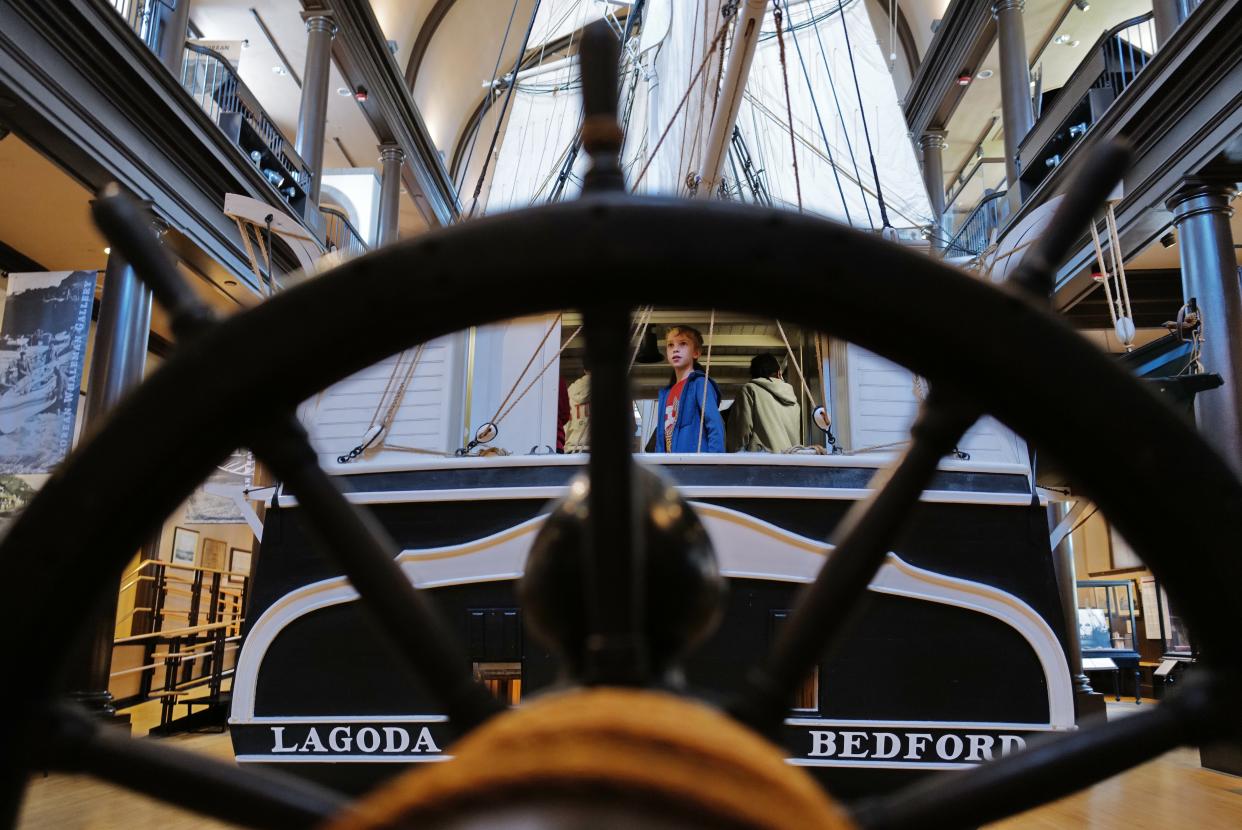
1106, 617
1107, 633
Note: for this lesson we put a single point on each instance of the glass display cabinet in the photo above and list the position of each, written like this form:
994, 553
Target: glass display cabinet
1106, 630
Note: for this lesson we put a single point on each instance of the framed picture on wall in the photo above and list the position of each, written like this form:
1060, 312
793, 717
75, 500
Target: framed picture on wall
185, 546
239, 566
214, 552
1123, 556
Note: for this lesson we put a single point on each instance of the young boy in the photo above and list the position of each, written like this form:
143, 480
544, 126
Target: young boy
682, 404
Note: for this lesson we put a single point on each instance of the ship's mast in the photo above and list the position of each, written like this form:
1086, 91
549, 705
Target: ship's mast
741, 55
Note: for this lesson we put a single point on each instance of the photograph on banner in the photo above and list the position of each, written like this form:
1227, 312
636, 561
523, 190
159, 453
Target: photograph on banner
15, 493
216, 501
43, 335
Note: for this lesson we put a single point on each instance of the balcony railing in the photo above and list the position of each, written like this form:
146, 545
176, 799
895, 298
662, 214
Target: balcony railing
1110, 67
340, 234
976, 232
143, 16
213, 83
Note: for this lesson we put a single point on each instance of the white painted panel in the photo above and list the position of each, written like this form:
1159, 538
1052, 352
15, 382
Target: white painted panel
428, 416
882, 405
501, 353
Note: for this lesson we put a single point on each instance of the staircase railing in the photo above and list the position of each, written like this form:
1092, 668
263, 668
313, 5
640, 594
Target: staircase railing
1108, 68
976, 232
216, 88
339, 232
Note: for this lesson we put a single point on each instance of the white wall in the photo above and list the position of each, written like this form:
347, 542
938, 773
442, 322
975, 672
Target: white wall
357, 190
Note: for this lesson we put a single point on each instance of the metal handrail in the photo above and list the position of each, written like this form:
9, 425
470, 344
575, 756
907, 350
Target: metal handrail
142, 16
220, 92
976, 232
1131, 44
340, 234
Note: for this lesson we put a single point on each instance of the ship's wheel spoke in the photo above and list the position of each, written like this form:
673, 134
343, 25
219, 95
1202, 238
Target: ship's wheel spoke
78, 742
1050, 769
615, 553
840, 589
354, 540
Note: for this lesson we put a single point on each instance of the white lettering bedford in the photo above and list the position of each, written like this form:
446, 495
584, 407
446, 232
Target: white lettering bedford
389, 740
922, 747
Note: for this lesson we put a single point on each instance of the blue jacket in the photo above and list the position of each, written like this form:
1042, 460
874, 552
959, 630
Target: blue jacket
686, 430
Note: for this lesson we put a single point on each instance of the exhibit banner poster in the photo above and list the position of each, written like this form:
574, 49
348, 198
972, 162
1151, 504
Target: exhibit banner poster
221, 497
43, 335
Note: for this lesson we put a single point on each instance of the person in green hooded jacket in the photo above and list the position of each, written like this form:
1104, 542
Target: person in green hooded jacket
765, 416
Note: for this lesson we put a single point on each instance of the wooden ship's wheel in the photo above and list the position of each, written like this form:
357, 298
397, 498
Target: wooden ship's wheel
622, 580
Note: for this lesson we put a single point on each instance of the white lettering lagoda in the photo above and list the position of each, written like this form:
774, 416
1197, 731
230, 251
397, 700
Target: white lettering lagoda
312, 743
393, 732
368, 739
278, 741
340, 740
424, 742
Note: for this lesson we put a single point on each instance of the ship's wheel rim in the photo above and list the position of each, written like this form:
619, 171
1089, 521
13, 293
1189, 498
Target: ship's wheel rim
940, 322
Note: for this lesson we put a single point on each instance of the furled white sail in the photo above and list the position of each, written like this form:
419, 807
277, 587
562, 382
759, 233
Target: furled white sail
668, 112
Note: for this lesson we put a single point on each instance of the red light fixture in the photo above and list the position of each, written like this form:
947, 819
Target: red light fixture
360, 94
964, 77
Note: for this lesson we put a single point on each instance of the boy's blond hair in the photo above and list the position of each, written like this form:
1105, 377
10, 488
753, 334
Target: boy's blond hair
689, 331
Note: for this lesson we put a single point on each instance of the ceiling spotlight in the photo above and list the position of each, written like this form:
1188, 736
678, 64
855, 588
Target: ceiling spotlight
1082, 5
108, 251
1168, 240
231, 283
1062, 39
279, 70
984, 74
344, 91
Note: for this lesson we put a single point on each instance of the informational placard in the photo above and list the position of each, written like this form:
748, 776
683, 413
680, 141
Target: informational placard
47, 318
1151, 604
1098, 664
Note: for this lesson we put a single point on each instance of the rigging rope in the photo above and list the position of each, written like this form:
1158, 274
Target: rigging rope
491, 91
724, 28
707, 376
644, 318
793, 144
815, 104
832, 439
500, 119
380, 426
849, 145
555, 322
502, 415
866, 132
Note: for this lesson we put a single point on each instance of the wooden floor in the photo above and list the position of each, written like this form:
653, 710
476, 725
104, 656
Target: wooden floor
1171, 793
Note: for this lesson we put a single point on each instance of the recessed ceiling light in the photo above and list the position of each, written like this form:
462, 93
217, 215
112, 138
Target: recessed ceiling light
344, 91
230, 283
984, 74
108, 251
1082, 5
1062, 40
279, 70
